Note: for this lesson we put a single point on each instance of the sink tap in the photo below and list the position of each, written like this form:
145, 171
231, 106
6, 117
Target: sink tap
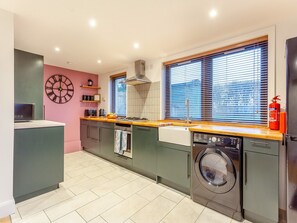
187, 104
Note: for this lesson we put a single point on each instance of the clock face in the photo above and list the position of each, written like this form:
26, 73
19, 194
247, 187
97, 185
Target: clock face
59, 88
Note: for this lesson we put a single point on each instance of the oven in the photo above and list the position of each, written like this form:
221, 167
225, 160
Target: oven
123, 139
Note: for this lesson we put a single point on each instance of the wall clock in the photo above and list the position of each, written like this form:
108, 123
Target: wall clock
59, 88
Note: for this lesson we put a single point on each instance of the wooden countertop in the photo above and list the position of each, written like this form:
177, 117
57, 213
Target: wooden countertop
252, 132
259, 132
138, 123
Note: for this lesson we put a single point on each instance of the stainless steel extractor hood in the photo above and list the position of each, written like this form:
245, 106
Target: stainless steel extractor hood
139, 77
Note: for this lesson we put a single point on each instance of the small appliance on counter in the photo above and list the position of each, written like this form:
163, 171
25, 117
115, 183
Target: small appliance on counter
101, 112
23, 112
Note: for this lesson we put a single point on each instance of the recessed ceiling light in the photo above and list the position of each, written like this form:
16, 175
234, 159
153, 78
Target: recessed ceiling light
57, 49
92, 23
213, 13
136, 45
99, 61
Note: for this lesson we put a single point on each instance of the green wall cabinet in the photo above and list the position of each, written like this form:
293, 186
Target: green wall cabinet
260, 180
28, 80
38, 161
144, 141
174, 165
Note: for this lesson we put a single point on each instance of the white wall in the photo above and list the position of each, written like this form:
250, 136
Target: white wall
7, 112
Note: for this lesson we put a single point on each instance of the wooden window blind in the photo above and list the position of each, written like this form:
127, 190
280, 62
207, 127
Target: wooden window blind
225, 86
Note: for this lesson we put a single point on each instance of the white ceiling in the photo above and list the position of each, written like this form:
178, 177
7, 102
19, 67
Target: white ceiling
161, 27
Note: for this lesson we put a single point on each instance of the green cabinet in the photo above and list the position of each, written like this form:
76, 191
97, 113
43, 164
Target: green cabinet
28, 80
260, 180
106, 140
89, 132
174, 165
144, 141
38, 161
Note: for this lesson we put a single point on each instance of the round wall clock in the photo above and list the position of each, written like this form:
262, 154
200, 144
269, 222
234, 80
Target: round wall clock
59, 88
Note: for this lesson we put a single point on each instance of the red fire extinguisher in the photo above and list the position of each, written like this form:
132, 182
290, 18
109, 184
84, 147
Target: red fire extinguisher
274, 110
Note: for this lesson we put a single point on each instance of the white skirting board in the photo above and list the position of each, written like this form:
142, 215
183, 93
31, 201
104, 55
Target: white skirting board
7, 208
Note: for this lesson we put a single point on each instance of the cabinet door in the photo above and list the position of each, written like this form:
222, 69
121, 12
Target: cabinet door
144, 148
38, 159
106, 139
260, 184
174, 165
92, 144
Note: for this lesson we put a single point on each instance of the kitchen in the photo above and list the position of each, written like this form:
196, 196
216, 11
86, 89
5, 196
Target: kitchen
276, 21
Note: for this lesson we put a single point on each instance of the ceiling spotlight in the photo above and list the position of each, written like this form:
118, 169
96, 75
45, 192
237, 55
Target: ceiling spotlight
57, 49
92, 23
136, 45
99, 61
213, 13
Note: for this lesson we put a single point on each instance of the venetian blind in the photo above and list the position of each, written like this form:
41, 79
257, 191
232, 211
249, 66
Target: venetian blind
118, 87
226, 86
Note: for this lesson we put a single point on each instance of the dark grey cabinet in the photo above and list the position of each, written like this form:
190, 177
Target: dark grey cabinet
89, 132
174, 165
260, 180
38, 161
97, 138
144, 141
28, 80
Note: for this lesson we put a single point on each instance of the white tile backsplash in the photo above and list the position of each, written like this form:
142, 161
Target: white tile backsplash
144, 101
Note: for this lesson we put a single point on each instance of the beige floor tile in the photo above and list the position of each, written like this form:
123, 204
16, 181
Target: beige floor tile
130, 176
72, 217
97, 220
16, 216
118, 172
154, 212
185, 211
88, 185
110, 186
152, 191
99, 206
124, 210
100, 171
245, 221
73, 181
82, 171
42, 196
172, 195
38, 205
70, 205
132, 187
36, 218
129, 221
210, 216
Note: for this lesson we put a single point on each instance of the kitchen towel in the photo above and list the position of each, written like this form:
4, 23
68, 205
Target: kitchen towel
117, 144
124, 141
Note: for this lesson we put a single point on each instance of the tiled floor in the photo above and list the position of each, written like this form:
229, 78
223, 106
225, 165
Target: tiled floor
98, 191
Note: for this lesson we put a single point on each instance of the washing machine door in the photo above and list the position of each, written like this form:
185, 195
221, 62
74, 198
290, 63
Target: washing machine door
215, 170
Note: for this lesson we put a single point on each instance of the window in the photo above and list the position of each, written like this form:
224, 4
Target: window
118, 94
225, 85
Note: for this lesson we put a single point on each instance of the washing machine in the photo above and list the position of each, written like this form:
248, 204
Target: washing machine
216, 179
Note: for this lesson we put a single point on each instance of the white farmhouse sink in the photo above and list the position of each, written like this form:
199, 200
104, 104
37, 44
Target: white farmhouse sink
175, 134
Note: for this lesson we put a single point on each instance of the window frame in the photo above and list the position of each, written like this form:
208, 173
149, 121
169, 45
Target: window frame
206, 57
113, 79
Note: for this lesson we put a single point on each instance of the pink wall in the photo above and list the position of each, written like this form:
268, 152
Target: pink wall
69, 112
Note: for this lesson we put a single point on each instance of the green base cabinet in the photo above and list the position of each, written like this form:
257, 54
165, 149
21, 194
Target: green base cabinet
144, 141
89, 131
38, 161
174, 165
260, 180
106, 140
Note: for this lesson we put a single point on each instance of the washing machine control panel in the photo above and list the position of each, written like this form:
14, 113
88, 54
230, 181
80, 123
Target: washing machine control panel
218, 140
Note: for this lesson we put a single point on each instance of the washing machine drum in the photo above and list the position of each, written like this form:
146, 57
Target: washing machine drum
215, 170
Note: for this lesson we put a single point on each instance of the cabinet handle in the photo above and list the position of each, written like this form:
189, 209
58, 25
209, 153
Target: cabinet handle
143, 128
245, 168
260, 143
188, 167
